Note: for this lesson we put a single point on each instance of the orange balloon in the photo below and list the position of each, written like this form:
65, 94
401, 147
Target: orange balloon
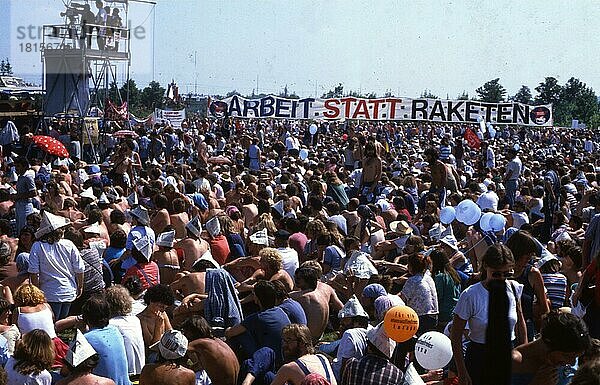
401, 323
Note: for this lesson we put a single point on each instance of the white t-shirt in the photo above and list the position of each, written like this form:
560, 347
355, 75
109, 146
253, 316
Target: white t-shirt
488, 200
131, 330
515, 166
15, 378
57, 265
473, 305
519, 219
290, 260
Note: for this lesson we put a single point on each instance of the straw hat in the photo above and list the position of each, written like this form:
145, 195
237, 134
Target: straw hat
401, 227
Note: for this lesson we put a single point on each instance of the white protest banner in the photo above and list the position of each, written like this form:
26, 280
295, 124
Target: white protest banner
392, 108
174, 117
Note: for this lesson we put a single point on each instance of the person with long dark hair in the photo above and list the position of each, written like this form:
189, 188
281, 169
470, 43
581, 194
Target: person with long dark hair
447, 285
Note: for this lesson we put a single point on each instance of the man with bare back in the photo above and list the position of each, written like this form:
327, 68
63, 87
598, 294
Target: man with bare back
316, 298
371, 172
210, 354
439, 175
193, 246
166, 257
179, 218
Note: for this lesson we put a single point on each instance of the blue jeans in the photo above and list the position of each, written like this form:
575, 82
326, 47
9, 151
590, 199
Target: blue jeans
60, 309
511, 191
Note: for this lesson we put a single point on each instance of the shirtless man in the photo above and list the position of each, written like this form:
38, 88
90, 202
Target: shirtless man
179, 218
169, 371
316, 298
249, 210
166, 257
193, 246
5, 230
153, 318
161, 218
271, 269
371, 172
439, 175
209, 353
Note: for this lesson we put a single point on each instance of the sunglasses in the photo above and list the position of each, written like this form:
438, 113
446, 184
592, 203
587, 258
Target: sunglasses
503, 274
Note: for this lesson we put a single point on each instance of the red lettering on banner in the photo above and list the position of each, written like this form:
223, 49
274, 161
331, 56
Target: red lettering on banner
347, 104
361, 109
333, 111
392, 110
376, 103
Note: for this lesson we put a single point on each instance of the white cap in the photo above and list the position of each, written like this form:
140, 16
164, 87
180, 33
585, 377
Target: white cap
103, 199
144, 246
50, 222
93, 229
141, 214
380, 339
546, 259
451, 241
260, 237
172, 345
435, 232
166, 239
279, 207
352, 308
213, 226
88, 193
194, 226
79, 350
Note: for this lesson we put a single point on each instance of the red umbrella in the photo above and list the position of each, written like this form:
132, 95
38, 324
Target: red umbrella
50, 145
126, 134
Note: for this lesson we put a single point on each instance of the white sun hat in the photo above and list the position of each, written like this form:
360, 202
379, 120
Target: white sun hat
49, 223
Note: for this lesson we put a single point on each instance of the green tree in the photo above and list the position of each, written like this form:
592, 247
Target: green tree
337, 92
576, 101
152, 96
548, 91
463, 96
428, 94
6, 68
523, 95
492, 91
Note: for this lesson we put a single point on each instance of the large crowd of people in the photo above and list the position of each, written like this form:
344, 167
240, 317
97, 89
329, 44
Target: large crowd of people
246, 252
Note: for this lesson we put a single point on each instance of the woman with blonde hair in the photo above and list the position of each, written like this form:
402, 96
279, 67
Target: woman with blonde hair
34, 312
33, 357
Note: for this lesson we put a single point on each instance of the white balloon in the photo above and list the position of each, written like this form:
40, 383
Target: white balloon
303, 154
433, 350
312, 129
468, 212
484, 222
447, 215
497, 222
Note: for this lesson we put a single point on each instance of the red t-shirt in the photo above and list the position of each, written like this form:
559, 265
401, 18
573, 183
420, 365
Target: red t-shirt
147, 273
219, 248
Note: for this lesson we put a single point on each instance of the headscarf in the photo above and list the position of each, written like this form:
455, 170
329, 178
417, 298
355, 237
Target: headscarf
374, 291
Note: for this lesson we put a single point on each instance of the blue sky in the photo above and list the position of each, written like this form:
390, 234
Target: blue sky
401, 46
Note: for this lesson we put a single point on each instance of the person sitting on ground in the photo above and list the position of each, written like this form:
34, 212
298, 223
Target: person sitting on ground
166, 256
153, 318
81, 360
316, 298
271, 269
300, 356
33, 357
169, 369
564, 337
263, 328
106, 340
210, 354
119, 302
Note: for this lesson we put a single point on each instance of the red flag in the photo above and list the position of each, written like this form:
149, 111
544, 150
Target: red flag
472, 139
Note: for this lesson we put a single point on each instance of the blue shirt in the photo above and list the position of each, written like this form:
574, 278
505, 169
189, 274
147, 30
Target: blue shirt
294, 311
110, 346
265, 329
